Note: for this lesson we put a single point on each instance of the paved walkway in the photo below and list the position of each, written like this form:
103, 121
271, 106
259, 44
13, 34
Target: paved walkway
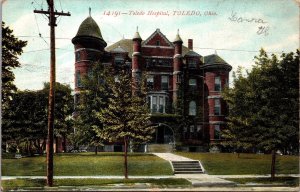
172, 157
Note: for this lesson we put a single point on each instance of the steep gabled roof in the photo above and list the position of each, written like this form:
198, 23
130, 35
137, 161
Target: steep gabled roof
119, 49
158, 32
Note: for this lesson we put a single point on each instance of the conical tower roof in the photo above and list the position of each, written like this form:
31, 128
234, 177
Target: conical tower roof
89, 29
177, 38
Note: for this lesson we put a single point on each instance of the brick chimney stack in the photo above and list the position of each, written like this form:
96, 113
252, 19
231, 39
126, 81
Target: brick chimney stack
190, 44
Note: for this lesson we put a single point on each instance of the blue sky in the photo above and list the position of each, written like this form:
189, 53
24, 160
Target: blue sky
216, 29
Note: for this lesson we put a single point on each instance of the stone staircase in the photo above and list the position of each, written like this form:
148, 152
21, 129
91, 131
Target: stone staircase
187, 167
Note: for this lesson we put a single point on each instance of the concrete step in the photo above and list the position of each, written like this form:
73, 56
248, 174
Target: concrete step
186, 167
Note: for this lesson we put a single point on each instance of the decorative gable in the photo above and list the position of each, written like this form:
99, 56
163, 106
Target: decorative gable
157, 39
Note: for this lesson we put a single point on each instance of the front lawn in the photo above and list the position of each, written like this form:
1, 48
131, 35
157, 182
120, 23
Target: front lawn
87, 164
231, 164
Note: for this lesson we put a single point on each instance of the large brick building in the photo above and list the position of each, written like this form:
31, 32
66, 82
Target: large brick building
183, 86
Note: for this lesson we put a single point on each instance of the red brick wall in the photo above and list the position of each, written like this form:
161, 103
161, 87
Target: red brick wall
156, 38
149, 51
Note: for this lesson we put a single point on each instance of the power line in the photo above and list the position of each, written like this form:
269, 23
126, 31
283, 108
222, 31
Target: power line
40, 35
34, 36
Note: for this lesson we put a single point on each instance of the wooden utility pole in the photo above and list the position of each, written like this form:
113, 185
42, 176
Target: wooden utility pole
52, 23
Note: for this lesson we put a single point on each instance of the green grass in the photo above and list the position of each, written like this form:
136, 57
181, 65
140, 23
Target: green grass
88, 164
24, 183
288, 181
231, 164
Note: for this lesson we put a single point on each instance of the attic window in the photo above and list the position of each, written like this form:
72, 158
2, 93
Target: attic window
157, 43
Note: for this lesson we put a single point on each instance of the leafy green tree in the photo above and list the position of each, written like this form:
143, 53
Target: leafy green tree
264, 106
25, 117
64, 106
12, 48
92, 98
126, 118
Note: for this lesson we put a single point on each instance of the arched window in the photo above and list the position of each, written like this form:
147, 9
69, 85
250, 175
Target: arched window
192, 108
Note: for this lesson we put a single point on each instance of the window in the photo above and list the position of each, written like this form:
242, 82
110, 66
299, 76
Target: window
164, 82
154, 104
179, 78
119, 60
158, 103
160, 62
185, 129
199, 128
217, 132
217, 109
192, 82
192, 63
217, 84
77, 56
150, 82
192, 108
161, 105
78, 79
192, 129
157, 43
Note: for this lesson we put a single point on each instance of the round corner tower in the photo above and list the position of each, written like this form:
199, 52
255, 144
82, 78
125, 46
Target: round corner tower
216, 78
89, 47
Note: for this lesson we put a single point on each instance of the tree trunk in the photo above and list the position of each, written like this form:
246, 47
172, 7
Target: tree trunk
56, 144
44, 145
96, 149
30, 148
65, 143
273, 165
125, 159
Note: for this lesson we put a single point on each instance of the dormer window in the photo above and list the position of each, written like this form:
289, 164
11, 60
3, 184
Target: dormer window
119, 60
192, 63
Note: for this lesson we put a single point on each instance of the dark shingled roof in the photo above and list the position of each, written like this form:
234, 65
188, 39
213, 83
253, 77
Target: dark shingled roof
214, 59
127, 45
192, 54
89, 28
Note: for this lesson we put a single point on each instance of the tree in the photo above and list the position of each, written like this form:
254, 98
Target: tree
64, 106
264, 106
25, 117
12, 47
126, 118
92, 98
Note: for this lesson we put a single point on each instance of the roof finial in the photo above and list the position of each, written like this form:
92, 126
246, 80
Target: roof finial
137, 28
216, 52
123, 36
90, 11
177, 31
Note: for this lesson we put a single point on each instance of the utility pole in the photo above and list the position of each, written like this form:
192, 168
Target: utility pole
52, 23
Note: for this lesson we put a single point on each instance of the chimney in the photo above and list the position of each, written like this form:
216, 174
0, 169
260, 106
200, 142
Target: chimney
190, 44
